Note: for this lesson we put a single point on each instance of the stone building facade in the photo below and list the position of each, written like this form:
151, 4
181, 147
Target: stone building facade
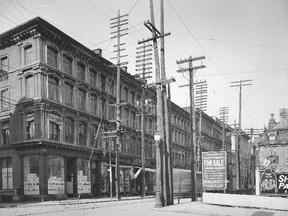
56, 98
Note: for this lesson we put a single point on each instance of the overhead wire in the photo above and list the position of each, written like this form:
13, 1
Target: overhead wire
198, 43
10, 11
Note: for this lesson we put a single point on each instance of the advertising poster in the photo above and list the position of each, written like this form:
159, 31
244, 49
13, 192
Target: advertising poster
268, 182
275, 158
214, 171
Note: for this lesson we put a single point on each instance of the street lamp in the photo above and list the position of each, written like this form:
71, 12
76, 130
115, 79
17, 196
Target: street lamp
157, 139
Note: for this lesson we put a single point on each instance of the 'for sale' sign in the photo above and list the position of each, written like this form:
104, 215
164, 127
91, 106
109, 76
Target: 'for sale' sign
214, 171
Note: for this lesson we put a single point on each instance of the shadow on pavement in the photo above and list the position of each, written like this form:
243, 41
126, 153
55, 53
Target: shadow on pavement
262, 213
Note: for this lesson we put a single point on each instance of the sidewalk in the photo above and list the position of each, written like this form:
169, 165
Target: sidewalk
199, 208
184, 207
71, 201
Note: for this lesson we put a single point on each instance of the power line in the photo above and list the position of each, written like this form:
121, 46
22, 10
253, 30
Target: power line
9, 11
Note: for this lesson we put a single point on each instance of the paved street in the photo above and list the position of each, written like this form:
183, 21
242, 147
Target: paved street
127, 207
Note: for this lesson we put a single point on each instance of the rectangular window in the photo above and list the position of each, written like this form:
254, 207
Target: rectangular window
55, 165
112, 112
5, 132
53, 89
93, 77
28, 55
103, 107
4, 98
54, 127
81, 71
68, 98
132, 98
52, 56
69, 130
30, 126
93, 104
82, 99
67, 64
3, 68
29, 86
125, 119
31, 174
6, 173
132, 120
126, 95
103, 83
112, 86
82, 133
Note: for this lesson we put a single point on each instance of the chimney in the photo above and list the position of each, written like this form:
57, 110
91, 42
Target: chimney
272, 123
98, 51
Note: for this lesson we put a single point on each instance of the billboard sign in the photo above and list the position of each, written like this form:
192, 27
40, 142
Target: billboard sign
214, 172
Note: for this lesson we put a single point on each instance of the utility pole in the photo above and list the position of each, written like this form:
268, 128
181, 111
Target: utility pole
117, 23
167, 171
201, 105
143, 64
223, 116
159, 136
254, 132
239, 84
191, 70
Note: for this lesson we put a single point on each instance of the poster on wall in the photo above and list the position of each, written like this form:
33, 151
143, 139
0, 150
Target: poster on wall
268, 182
282, 183
84, 184
55, 185
275, 158
31, 185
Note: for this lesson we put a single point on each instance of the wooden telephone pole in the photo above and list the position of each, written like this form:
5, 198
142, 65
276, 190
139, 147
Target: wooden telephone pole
117, 23
201, 105
143, 64
239, 84
223, 116
190, 69
161, 184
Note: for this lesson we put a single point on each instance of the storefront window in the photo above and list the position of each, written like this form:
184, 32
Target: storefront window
31, 174
6, 173
83, 176
55, 175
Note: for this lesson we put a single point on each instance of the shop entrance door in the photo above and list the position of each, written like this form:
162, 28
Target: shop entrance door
71, 176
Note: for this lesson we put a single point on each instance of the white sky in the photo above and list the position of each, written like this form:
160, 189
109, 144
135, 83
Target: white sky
245, 40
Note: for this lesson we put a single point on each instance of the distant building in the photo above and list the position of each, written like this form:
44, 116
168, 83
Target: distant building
273, 156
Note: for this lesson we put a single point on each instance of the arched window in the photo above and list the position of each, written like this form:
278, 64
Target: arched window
53, 88
68, 94
67, 64
82, 132
54, 127
81, 71
69, 130
52, 56
30, 126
